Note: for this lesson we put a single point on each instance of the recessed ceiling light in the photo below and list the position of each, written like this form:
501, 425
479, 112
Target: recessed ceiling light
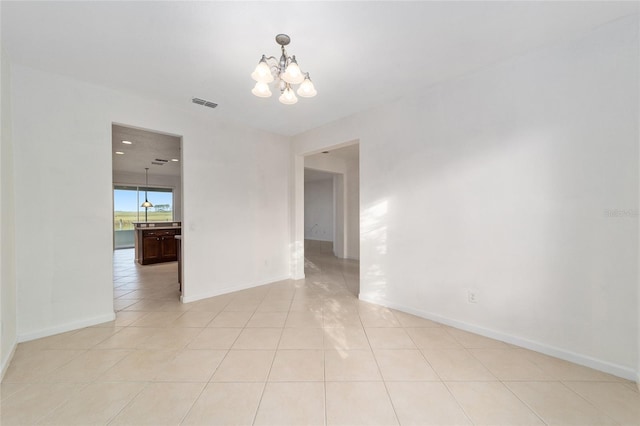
127, 142
174, 159
119, 152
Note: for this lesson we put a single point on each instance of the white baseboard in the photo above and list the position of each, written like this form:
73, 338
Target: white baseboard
231, 289
585, 360
61, 328
7, 360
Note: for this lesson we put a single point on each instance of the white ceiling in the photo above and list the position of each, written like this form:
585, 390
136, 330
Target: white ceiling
146, 148
359, 54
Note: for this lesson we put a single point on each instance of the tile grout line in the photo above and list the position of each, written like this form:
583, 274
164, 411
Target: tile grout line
275, 352
218, 366
384, 382
539, 416
458, 403
534, 411
562, 383
112, 418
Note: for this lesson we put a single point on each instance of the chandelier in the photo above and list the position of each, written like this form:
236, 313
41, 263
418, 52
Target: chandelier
286, 72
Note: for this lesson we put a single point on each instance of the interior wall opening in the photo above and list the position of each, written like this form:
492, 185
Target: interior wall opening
331, 211
319, 210
147, 214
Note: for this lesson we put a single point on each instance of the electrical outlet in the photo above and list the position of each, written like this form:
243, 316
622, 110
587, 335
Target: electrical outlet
472, 296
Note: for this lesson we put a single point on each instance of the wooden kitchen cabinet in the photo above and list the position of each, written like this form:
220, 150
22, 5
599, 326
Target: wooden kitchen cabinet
156, 245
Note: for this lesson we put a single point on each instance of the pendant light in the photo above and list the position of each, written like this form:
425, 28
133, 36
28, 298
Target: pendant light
146, 203
286, 72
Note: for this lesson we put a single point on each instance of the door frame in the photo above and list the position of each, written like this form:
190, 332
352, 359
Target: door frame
297, 226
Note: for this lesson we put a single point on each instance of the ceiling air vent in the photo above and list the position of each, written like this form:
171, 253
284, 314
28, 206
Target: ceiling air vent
161, 160
204, 102
157, 163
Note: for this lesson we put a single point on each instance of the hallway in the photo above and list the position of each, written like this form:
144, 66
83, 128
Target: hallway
292, 352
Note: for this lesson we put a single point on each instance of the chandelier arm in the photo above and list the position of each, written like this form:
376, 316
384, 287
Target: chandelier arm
271, 61
273, 64
285, 87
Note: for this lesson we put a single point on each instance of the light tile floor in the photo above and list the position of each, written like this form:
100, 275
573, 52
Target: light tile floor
292, 353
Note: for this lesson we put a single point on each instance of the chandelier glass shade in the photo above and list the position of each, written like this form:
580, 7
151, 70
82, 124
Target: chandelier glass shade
286, 72
261, 90
306, 89
288, 97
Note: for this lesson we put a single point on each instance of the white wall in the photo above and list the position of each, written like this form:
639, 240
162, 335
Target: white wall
339, 216
353, 209
8, 336
500, 182
235, 180
296, 215
174, 182
318, 210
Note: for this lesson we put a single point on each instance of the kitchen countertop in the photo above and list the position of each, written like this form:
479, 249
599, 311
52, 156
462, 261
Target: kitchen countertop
157, 225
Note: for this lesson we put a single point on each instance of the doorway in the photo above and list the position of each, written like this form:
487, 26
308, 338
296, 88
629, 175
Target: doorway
146, 167
146, 164
331, 219
319, 210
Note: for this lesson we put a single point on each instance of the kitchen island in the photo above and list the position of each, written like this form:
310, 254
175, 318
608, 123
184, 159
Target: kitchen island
155, 242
